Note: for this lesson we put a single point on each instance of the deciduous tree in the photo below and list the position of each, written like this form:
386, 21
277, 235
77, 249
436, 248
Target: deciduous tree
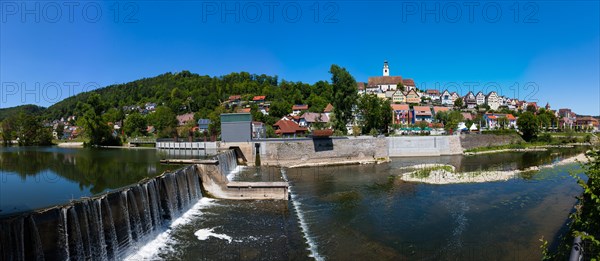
344, 96
528, 125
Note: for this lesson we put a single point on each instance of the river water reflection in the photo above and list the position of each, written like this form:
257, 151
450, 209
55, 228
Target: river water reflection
360, 213
338, 213
38, 177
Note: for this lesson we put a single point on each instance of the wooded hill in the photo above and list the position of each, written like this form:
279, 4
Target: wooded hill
188, 92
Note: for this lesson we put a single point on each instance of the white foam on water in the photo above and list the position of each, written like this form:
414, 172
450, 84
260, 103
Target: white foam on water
233, 173
149, 250
312, 245
204, 234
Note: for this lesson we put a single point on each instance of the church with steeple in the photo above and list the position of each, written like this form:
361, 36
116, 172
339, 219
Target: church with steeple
384, 83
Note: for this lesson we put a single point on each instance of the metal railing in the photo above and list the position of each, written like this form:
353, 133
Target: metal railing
141, 140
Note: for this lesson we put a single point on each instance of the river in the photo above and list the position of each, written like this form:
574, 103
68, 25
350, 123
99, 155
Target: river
337, 213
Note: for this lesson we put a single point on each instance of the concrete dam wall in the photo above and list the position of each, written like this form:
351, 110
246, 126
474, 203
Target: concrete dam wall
103, 227
109, 226
358, 150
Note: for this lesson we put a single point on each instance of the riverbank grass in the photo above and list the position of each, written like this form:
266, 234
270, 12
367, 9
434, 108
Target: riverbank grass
426, 172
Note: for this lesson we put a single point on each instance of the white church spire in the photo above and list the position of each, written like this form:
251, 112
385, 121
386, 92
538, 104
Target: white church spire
386, 69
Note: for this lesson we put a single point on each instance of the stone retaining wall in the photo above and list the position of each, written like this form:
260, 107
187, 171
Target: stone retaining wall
470, 141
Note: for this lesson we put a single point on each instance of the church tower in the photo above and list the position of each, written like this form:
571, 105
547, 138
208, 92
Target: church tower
386, 69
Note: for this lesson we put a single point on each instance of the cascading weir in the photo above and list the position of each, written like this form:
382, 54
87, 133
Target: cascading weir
102, 227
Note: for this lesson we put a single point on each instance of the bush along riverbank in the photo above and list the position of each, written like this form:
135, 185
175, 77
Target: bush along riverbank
584, 222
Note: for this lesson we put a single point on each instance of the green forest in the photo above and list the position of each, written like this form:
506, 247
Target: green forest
185, 92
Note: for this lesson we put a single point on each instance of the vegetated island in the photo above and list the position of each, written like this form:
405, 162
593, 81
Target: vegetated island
446, 174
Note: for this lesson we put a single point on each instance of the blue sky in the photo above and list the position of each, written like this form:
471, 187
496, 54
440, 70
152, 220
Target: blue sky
546, 51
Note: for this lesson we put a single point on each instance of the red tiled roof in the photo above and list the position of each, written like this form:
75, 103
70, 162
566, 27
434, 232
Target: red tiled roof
400, 107
328, 108
433, 92
408, 82
234, 97
300, 107
244, 110
437, 109
360, 85
288, 127
510, 117
322, 133
384, 80
422, 110
258, 98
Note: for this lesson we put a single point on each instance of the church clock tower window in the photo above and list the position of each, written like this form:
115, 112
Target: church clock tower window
386, 69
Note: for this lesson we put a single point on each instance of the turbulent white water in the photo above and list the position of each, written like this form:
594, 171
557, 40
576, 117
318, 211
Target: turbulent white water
233, 173
150, 250
312, 245
204, 234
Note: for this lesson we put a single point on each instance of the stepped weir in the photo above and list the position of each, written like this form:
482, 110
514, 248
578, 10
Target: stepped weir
108, 226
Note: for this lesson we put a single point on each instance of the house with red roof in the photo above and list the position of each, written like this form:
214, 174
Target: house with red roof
587, 122
259, 99
289, 129
308, 119
409, 84
413, 97
432, 94
361, 87
492, 120
244, 110
532, 105
297, 109
437, 109
422, 113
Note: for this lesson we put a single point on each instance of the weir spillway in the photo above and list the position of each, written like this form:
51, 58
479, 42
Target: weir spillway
107, 226
103, 227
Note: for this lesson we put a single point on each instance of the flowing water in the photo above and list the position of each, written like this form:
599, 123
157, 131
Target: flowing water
338, 213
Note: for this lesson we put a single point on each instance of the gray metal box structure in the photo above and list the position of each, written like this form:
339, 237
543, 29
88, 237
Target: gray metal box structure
236, 127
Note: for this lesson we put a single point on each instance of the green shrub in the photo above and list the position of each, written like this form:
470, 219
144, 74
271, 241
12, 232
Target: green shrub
546, 137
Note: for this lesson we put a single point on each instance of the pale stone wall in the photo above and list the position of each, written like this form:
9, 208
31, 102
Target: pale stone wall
423, 146
470, 141
316, 151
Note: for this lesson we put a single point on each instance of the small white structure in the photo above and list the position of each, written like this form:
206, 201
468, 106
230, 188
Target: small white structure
473, 127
